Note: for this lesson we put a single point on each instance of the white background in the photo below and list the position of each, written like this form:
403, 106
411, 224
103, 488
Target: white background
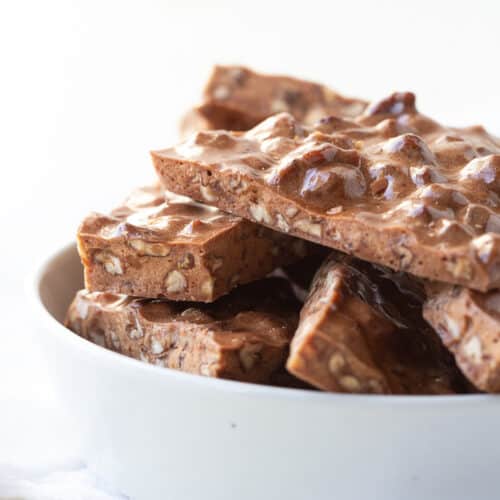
88, 88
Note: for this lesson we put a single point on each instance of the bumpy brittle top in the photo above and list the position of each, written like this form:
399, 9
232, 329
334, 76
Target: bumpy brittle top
377, 340
265, 310
390, 168
153, 215
236, 98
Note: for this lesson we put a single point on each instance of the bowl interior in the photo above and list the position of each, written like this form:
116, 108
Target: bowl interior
60, 279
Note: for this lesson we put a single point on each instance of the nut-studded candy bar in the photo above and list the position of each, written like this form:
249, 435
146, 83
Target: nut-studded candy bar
468, 323
390, 186
361, 331
236, 98
163, 245
242, 336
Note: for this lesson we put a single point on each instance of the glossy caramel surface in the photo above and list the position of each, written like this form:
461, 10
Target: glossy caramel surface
154, 215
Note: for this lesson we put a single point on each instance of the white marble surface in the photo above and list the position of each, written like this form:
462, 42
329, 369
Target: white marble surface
88, 87
68, 480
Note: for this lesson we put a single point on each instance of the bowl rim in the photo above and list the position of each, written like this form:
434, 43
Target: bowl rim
56, 329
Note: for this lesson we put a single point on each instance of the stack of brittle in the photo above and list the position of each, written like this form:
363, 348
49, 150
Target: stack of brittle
298, 237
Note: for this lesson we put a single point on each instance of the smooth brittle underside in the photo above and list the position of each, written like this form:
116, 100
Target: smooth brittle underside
361, 330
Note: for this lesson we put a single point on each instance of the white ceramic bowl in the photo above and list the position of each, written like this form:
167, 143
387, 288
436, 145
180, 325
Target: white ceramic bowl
161, 434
